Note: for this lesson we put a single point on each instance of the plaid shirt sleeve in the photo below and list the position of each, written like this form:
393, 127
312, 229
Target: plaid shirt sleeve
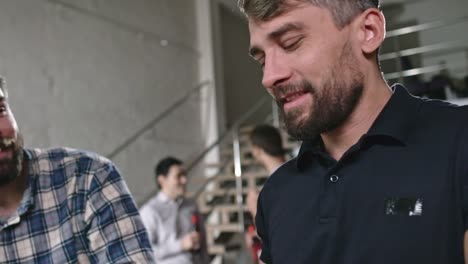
116, 233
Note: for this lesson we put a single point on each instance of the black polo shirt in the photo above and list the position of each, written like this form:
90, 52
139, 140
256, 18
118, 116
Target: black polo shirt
396, 196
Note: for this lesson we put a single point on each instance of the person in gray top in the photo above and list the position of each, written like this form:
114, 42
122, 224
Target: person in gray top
174, 224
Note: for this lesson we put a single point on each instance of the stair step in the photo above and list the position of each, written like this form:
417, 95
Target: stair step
219, 165
217, 192
257, 174
229, 208
245, 151
250, 174
233, 228
246, 129
228, 152
216, 250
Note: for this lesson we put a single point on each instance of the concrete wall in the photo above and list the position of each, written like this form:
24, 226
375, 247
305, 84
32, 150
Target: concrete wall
88, 74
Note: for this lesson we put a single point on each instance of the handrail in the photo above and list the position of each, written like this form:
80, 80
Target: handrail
426, 26
130, 140
238, 174
443, 46
449, 45
421, 70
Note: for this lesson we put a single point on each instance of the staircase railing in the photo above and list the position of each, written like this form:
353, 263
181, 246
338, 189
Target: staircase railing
446, 46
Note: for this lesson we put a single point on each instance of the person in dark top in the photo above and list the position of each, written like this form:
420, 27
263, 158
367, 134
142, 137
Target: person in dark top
381, 176
267, 149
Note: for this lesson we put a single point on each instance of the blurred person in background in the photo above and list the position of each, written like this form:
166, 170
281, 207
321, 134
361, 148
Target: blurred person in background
381, 176
63, 205
267, 149
174, 223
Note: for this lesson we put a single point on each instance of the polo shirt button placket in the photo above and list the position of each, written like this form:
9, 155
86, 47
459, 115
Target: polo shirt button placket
328, 203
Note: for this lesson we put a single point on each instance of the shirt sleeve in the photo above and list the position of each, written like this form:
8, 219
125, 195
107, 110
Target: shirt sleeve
167, 249
262, 231
115, 231
150, 218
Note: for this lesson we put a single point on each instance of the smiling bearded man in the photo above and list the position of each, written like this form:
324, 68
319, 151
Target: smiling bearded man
381, 176
63, 205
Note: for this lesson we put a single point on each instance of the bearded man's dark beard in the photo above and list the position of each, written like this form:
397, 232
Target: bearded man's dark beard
11, 168
327, 112
332, 103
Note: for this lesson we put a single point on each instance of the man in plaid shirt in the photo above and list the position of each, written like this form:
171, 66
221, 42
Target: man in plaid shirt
64, 206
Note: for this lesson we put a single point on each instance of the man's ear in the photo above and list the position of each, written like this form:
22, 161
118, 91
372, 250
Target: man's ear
160, 179
372, 30
255, 150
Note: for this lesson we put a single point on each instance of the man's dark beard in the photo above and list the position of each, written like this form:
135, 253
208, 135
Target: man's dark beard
332, 104
11, 168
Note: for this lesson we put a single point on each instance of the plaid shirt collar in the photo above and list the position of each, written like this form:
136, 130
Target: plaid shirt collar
28, 200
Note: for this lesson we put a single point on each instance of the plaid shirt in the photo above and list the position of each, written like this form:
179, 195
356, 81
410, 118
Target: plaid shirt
76, 209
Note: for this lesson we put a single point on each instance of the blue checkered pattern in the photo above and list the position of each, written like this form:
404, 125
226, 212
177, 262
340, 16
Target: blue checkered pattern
77, 209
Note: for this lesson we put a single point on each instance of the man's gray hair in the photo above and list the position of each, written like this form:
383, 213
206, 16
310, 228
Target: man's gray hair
343, 11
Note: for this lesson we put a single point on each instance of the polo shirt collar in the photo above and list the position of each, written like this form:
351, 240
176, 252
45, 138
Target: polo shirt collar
394, 121
397, 117
27, 202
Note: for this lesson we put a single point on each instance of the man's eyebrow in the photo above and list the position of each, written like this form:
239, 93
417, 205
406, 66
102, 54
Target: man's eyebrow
284, 29
254, 50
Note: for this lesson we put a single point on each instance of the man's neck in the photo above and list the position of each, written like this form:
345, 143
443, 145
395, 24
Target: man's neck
272, 163
170, 196
373, 100
12, 193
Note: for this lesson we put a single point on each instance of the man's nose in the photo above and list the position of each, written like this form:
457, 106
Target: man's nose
7, 129
275, 71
